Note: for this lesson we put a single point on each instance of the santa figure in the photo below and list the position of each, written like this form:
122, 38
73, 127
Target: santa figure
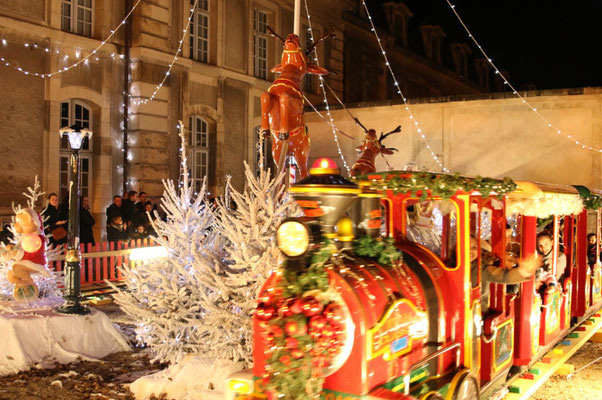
29, 255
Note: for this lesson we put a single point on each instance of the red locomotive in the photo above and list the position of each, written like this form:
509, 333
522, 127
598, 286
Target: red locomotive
400, 311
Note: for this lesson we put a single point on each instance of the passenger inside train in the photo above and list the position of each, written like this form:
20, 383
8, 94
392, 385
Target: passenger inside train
545, 276
592, 249
491, 271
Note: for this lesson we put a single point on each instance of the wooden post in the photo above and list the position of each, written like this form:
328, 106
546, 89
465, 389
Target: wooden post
297, 24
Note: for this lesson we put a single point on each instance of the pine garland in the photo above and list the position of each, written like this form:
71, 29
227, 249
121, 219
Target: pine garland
592, 202
381, 249
427, 184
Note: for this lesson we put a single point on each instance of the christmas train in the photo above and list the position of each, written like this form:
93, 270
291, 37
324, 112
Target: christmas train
379, 297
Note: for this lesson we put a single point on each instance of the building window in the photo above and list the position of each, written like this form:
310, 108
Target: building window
432, 37
73, 112
260, 44
199, 31
198, 152
76, 16
308, 80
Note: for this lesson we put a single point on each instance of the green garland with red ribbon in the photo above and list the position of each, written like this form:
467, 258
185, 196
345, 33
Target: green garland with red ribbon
302, 330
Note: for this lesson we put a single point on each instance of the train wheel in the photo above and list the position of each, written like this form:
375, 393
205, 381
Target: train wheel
464, 387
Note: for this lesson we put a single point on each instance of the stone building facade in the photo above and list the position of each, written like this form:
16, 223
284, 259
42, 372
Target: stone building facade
214, 86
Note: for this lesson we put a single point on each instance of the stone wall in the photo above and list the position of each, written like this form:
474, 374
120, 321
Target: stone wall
492, 135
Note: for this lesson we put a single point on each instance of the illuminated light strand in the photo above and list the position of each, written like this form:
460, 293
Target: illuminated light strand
160, 85
400, 93
326, 120
315, 54
82, 61
515, 92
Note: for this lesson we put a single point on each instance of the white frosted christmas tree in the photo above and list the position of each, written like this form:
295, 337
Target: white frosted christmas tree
251, 253
165, 296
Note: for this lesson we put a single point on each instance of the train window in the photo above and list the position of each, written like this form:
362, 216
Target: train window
593, 237
433, 225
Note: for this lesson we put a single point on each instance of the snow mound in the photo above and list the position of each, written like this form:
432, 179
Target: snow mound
193, 378
40, 336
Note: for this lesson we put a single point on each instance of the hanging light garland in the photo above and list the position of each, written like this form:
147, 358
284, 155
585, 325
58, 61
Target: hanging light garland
333, 127
171, 64
515, 92
400, 93
83, 60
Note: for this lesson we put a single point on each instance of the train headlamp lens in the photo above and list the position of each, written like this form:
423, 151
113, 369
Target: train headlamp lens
292, 238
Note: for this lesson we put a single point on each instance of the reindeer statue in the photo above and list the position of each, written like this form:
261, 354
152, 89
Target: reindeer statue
369, 149
282, 115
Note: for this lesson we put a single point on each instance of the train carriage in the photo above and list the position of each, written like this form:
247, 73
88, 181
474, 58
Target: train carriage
416, 328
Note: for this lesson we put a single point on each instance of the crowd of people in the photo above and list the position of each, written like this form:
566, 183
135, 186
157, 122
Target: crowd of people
127, 219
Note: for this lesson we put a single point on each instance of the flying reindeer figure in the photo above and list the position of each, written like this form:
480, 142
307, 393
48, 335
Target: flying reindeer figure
369, 149
282, 115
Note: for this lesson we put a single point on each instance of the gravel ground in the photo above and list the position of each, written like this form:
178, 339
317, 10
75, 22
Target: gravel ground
584, 385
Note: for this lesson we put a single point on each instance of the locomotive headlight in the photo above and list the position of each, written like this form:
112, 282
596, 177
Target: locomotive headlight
292, 238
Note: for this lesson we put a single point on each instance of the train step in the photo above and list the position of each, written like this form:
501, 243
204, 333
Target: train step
524, 387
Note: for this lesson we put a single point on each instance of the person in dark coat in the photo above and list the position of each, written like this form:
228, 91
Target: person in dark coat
128, 209
141, 204
116, 231
114, 209
50, 216
86, 222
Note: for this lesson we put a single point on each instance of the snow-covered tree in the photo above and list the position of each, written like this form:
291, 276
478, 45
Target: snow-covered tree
249, 227
165, 296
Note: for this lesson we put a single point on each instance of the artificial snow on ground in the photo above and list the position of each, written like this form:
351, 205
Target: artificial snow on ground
35, 335
193, 378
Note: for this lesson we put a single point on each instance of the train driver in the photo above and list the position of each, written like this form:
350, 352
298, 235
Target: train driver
490, 272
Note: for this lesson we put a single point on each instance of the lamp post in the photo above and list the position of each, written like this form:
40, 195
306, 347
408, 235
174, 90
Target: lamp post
72, 294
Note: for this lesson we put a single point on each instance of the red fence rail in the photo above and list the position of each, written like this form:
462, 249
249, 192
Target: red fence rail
100, 263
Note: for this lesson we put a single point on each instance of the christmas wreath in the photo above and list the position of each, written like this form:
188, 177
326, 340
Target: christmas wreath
303, 329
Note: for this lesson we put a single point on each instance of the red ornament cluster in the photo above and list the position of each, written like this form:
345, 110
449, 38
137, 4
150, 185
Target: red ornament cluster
287, 321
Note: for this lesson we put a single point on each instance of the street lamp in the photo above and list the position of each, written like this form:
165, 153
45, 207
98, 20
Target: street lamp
72, 294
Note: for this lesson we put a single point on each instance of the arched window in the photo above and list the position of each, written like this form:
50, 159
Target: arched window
77, 16
198, 154
199, 31
72, 112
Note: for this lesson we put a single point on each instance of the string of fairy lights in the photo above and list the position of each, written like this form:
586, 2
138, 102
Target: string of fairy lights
515, 92
400, 93
331, 119
173, 61
81, 60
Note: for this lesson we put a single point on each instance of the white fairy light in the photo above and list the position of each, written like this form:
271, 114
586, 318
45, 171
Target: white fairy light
61, 70
160, 85
407, 107
514, 91
334, 130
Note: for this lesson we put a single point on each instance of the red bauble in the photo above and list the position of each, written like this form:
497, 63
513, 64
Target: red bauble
295, 307
286, 360
265, 311
318, 362
291, 343
328, 332
296, 354
334, 313
317, 322
285, 308
311, 306
294, 328
276, 331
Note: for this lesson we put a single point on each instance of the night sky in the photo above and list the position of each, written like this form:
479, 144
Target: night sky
552, 44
